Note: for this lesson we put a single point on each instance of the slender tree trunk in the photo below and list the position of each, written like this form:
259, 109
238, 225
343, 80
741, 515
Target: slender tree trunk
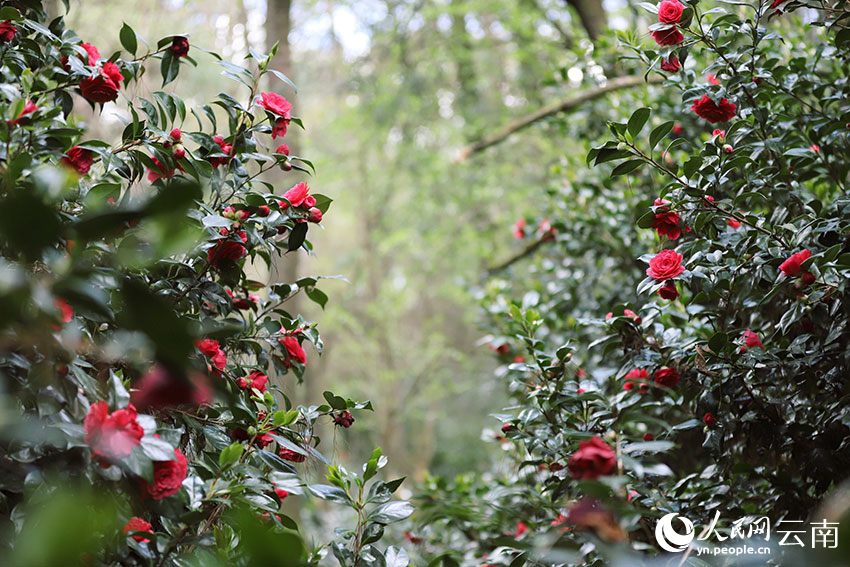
278, 26
592, 15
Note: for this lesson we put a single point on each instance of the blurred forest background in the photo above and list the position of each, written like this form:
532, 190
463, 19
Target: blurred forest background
391, 91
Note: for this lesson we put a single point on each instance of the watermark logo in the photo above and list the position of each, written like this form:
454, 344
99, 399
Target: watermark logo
671, 540
823, 534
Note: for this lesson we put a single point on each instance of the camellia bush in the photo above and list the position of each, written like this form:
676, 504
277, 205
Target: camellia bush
675, 337
142, 361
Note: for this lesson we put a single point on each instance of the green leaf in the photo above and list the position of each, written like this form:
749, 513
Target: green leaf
392, 512
659, 132
691, 166
329, 493
169, 68
396, 557
649, 447
297, 237
718, 341
317, 296
336, 402
646, 220
371, 468
128, 38
627, 167
157, 449
285, 79
10, 13
638, 121
229, 455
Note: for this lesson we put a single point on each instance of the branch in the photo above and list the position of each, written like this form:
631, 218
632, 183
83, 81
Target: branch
517, 257
566, 104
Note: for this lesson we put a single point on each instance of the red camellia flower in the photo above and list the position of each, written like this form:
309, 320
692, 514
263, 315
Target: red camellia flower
242, 302
29, 108
709, 420
93, 53
734, 223
793, 265
168, 477
519, 229
139, 525
255, 379
225, 149
176, 135
637, 373
668, 291
666, 222
159, 387
295, 196
100, 89
665, 265
162, 172
293, 349
113, 71
78, 159
629, 313
292, 456
7, 31
751, 340
282, 149
276, 104
670, 36
212, 350
279, 127
594, 458
667, 377
712, 80
112, 436
714, 112
228, 249
315, 215
66, 311
671, 64
670, 12
344, 419
648, 437
521, 530
281, 493
180, 46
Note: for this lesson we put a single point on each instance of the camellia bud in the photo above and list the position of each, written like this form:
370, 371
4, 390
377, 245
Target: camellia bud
179, 151
808, 278
252, 430
622, 146
728, 149
286, 165
315, 215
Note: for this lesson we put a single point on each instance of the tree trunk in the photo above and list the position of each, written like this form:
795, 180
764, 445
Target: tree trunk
278, 26
592, 16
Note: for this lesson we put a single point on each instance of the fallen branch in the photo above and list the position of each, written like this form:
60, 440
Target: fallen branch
549, 110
